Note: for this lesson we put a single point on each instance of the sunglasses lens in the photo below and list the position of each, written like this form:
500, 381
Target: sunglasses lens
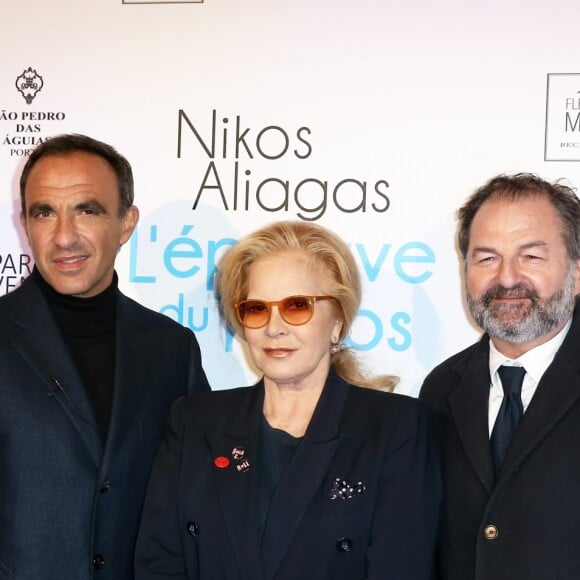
253, 313
296, 309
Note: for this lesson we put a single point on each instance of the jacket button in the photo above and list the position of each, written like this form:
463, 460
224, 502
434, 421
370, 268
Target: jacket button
491, 532
104, 486
192, 528
344, 545
98, 561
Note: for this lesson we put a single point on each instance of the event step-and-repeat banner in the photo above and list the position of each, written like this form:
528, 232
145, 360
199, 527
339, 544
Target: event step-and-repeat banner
375, 119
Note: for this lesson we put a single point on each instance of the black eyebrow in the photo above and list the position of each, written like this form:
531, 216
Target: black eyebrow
93, 205
38, 207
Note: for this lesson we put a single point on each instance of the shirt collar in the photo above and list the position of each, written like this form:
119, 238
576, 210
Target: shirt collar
535, 361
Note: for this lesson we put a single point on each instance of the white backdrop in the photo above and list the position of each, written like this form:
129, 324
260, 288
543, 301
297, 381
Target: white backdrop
375, 119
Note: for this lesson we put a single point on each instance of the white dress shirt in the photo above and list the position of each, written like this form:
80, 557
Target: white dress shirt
535, 361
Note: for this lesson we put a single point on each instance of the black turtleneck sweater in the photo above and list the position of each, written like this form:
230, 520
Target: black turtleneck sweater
88, 328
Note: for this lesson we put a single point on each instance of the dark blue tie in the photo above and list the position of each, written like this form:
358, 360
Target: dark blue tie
510, 412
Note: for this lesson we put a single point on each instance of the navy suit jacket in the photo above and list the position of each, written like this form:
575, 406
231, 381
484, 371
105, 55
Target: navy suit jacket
200, 520
68, 503
534, 503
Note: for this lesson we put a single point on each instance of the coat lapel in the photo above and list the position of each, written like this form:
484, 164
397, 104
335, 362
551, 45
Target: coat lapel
132, 370
305, 475
557, 391
469, 408
237, 486
40, 344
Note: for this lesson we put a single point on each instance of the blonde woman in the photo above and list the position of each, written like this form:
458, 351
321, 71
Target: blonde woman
307, 475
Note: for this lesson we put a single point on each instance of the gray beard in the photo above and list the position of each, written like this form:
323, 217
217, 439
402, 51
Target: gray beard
523, 323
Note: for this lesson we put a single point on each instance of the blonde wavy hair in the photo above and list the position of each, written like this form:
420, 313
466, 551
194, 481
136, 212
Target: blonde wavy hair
324, 248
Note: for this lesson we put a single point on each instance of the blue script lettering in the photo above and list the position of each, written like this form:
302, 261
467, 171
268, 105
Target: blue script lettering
185, 315
182, 257
397, 322
409, 253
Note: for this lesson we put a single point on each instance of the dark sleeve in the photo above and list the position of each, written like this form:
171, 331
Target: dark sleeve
434, 393
159, 550
407, 511
197, 381
430, 392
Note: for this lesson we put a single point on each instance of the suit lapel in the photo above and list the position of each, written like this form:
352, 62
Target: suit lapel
236, 486
40, 344
304, 476
469, 408
132, 372
557, 391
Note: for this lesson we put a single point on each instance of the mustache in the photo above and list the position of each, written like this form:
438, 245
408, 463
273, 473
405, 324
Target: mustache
518, 291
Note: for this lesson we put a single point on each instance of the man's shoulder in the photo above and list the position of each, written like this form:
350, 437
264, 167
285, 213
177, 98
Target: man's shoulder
6, 300
447, 374
457, 359
148, 317
21, 293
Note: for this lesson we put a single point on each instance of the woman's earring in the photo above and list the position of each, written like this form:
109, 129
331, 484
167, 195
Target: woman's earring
334, 348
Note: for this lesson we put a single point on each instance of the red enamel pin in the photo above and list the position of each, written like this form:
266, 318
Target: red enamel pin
221, 462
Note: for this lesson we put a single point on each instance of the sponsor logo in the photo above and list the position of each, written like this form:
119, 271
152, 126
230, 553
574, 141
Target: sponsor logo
562, 142
29, 84
23, 130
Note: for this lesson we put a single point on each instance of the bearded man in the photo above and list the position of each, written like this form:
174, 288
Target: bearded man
508, 407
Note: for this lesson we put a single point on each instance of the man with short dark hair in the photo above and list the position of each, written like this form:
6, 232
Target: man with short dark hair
87, 375
508, 407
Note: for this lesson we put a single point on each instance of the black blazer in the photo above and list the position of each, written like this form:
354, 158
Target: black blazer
200, 521
69, 504
534, 505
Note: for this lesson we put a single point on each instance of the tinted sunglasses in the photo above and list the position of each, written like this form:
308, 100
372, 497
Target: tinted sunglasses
295, 310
